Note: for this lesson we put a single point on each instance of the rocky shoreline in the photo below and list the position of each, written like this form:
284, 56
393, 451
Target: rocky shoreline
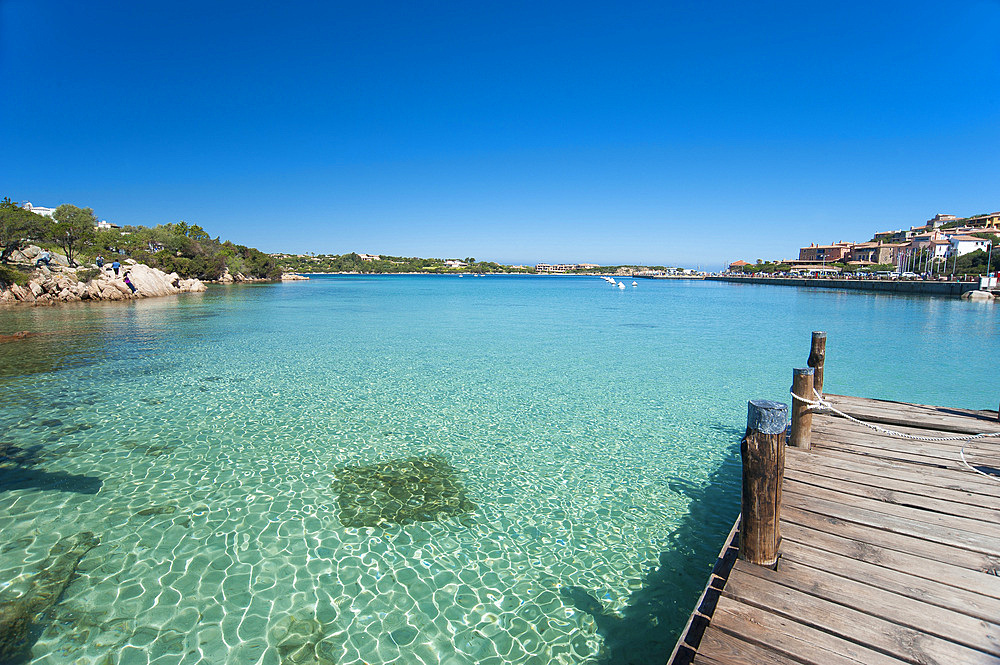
61, 283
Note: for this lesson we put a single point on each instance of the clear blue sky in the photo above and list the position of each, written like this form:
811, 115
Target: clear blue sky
677, 133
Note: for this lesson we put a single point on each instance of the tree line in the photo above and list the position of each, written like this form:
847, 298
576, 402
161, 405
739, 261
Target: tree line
176, 247
353, 263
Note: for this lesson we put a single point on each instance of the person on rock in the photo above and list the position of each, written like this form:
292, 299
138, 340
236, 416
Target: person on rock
44, 257
100, 261
116, 266
129, 283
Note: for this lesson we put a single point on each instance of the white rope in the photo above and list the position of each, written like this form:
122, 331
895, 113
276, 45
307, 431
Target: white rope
823, 404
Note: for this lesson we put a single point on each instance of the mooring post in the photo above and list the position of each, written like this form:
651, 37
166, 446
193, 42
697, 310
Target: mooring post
763, 453
817, 356
800, 434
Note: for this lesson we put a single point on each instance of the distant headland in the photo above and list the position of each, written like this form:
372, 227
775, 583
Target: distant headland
375, 264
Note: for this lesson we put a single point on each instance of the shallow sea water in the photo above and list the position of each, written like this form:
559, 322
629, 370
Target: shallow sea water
550, 464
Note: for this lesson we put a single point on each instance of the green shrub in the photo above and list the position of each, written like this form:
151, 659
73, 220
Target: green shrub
87, 274
11, 275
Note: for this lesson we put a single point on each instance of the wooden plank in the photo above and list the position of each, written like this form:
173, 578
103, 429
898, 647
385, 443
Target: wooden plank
896, 477
831, 433
963, 421
764, 588
942, 522
911, 566
867, 535
833, 422
914, 408
955, 478
898, 497
904, 584
881, 520
891, 447
719, 648
892, 420
897, 480
780, 633
889, 451
899, 609
876, 455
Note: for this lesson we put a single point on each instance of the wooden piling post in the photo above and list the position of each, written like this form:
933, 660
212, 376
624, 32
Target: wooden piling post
817, 356
800, 434
763, 453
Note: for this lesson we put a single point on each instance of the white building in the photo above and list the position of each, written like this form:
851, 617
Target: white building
454, 263
39, 210
938, 220
961, 245
941, 249
369, 257
105, 225
564, 267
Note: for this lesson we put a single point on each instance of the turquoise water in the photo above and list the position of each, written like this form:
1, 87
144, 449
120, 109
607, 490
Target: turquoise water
576, 449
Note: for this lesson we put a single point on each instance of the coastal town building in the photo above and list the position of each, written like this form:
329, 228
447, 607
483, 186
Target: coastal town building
564, 267
969, 230
39, 210
939, 220
940, 249
102, 225
369, 257
886, 236
961, 245
875, 252
899, 235
737, 265
942, 237
454, 263
989, 219
817, 268
825, 253
923, 240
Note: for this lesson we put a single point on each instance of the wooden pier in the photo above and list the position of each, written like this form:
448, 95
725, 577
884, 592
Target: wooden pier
888, 550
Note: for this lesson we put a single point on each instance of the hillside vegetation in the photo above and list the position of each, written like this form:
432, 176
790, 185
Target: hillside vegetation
352, 262
186, 249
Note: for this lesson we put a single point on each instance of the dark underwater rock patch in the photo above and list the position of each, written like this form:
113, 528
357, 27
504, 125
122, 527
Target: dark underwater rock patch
150, 449
46, 589
12, 455
165, 509
416, 489
73, 429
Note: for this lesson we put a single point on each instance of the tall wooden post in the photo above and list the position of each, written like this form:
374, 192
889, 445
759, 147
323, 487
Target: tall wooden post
817, 356
800, 434
763, 453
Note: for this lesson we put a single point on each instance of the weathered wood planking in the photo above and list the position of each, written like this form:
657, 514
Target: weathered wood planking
890, 551
965, 421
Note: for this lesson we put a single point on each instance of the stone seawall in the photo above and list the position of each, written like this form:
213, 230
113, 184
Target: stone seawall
954, 289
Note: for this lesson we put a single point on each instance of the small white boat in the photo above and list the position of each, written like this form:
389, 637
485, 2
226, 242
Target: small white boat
634, 283
621, 285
